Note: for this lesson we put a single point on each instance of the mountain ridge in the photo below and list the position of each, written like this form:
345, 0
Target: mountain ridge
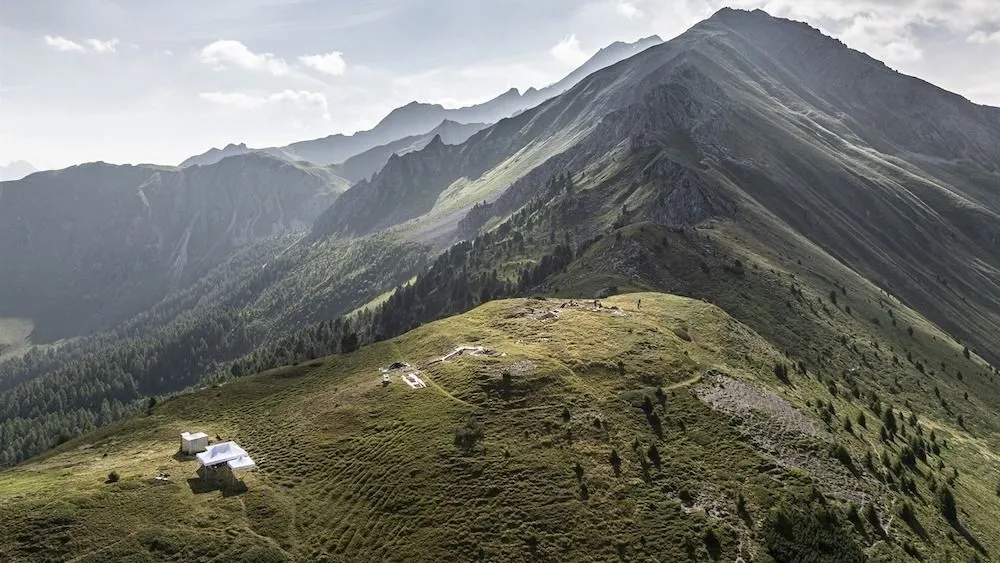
686, 90
417, 118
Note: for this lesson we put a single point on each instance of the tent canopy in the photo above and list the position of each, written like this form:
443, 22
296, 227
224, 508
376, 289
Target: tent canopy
221, 453
244, 463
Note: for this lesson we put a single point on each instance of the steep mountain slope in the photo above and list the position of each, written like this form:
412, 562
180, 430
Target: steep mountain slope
92, 245
363, 165
16, 170
728, 120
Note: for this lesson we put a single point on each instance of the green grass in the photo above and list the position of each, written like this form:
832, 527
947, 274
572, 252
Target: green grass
350, 470
354, 471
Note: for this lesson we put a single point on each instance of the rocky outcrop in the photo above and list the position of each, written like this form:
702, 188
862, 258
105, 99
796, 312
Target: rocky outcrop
366, 164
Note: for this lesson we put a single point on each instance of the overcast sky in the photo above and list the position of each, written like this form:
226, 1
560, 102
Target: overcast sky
157, 81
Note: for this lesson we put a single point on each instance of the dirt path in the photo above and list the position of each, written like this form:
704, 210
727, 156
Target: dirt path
429, 381
686, 383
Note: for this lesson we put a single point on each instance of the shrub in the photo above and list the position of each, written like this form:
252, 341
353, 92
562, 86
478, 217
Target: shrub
906, 513
112, 477
654, 455
862, 421
842, 455
741, 502
647, 405
852, 513
781, 372
872, 517
616, 462
907, 457
686, 497
565, 414
467, 435
889, 422
946, 500
712, 542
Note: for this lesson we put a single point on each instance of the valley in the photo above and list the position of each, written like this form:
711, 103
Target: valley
812, 373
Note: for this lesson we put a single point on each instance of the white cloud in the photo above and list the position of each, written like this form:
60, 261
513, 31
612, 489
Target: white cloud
224, 53
628, 9
984, 38
887, 38
303, 99
90, 45
98, 46
63, 45
330, 63
569, 52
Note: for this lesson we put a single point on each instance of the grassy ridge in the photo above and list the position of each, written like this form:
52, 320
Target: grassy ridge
354, 471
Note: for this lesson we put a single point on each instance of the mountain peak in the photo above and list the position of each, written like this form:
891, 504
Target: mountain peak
436, 141
728, 12
15, 170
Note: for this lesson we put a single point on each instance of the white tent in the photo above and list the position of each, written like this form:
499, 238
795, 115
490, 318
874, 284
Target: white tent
244, 463
193, 443
224, 452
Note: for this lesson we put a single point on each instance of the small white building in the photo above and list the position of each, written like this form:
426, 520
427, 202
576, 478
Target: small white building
193, 443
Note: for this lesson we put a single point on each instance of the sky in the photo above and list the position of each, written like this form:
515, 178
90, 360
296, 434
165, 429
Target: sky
157, 81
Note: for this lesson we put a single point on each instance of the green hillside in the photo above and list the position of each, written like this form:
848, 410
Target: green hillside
725, 460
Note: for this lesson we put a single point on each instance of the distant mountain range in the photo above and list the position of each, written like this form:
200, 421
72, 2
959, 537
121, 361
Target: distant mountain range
417, 118
88, 246
16, 170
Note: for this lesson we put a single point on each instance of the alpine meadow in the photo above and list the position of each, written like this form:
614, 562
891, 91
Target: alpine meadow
732, 296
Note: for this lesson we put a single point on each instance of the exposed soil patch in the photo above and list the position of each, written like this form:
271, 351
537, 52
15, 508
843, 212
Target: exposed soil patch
739, 399
778, 429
